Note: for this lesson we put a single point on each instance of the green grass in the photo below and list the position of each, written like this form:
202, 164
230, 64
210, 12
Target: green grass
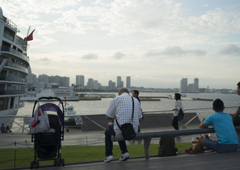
77, 154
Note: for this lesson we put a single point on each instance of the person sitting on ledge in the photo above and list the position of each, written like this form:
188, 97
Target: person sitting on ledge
223, 126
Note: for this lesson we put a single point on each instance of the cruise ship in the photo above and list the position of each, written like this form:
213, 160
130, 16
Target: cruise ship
14, 67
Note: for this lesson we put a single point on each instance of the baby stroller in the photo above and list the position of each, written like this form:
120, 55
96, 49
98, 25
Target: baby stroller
47, 144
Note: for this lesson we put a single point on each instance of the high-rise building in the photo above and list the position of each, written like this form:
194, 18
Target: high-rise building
183, 85
56, 79
191, 88
121, 84
128, 82
119, 81
43, 78
64, 81
90, 83
110, 85
95, 84
196, 85
79, 80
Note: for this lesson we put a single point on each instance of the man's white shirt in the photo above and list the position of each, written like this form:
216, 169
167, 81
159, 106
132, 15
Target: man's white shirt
121, 109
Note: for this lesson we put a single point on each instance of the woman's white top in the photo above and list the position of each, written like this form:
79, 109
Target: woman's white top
178, 105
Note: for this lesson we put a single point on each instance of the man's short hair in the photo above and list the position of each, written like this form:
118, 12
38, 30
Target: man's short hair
238, 84
122, 90
218, 105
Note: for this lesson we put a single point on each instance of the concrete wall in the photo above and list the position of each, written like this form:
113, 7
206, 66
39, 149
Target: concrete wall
150, 121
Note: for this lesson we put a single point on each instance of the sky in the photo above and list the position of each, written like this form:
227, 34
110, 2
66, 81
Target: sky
156, 42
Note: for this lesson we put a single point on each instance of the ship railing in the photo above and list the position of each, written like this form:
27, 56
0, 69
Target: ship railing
11, 92
12, 78
10, 23
15, 66
11, 50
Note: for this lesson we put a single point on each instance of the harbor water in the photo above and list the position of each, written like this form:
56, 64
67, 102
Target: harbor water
91, 107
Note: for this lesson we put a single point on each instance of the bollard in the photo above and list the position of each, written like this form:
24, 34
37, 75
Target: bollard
26, 143
15, 155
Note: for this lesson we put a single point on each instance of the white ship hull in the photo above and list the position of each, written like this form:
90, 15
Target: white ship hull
62, 98
8, 121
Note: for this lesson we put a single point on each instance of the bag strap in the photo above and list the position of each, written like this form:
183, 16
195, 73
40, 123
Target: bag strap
132, 113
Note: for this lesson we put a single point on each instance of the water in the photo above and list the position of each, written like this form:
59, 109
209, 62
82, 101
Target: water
100, 106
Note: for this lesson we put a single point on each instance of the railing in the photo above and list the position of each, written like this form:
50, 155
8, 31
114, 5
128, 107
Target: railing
11, 78
11, 92
8, 36
16, 66
9, 22
11, 50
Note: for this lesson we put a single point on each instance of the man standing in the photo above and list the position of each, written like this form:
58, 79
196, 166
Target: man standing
3, 128
235, 116
121, 109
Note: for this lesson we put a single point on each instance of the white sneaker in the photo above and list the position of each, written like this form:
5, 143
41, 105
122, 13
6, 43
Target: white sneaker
109, 159
124, 157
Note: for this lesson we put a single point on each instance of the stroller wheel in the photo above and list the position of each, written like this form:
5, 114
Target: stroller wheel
55, 162
31, 164
63, 163
37, 164
58, 162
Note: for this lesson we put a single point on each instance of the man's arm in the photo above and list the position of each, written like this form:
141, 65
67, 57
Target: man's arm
203, 125
112, 119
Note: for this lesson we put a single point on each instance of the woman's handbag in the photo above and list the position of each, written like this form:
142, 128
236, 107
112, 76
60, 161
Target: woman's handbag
43, 122
127, 129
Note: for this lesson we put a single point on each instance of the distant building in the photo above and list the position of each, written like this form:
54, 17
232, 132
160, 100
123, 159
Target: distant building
43, 78
196, 85
64, 81
128, 82
184, 85
191, 88
90, 83
111, 85
119, 81
79, 80
121, 84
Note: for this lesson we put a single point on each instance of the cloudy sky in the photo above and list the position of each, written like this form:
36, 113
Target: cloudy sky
156, 42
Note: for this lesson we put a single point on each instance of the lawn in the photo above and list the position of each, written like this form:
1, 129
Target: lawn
77, 154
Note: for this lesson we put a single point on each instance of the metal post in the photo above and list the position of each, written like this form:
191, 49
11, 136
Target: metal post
15, 155
146, 146
26, 143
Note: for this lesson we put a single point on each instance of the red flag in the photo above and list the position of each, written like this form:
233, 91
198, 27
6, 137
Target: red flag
29, 37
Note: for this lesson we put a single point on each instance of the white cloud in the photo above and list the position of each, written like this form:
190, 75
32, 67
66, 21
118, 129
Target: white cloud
118, 55
89, 56
230, 49
175, 51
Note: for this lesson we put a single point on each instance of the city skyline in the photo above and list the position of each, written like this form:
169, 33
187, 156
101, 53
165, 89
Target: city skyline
155, 42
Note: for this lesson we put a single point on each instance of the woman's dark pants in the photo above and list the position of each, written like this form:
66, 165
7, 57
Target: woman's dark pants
175, 123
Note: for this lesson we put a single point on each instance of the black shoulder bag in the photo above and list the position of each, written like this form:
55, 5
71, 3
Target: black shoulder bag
180, 114
127, 128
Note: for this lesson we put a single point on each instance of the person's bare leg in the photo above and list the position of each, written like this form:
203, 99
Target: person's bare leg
200, 145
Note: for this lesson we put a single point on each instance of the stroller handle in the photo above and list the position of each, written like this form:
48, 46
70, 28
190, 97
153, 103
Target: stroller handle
49, 98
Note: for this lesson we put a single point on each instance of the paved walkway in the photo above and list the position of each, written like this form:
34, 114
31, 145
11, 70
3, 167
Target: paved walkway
219, 161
